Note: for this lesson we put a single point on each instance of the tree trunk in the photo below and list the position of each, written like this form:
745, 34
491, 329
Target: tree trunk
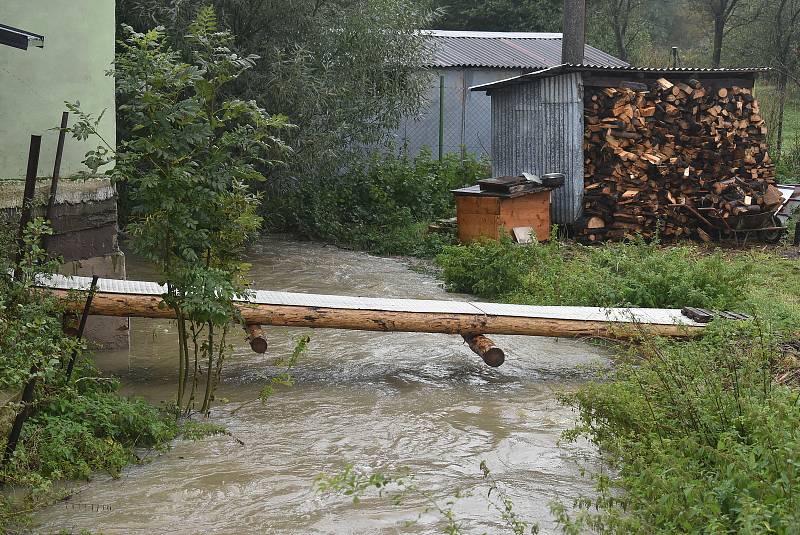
719, 32
619, 22
574, 37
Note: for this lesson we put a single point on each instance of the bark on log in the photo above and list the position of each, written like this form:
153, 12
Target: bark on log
255, 335
574, 37
485, 349
151, 306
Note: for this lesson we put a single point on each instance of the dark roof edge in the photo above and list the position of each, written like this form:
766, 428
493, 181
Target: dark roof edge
18, 38
570, 68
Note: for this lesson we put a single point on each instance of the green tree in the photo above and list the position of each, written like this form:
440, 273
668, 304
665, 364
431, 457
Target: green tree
344, 71
620, 25
783, 21
500, 15
187, 163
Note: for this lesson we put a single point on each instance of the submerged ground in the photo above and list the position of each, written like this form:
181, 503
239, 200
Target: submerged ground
385, 402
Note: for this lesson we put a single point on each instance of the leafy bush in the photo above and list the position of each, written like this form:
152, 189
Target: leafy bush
88, 427
327, 64
71, 426
382, 205
702, 437
616, 274
491, 268
788, 167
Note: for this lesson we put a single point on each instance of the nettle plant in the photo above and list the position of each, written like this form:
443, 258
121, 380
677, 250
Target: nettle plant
190, 154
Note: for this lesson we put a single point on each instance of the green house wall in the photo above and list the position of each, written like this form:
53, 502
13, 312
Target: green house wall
34, 83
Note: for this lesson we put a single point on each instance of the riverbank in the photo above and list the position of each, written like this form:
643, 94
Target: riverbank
698, 433
349, 378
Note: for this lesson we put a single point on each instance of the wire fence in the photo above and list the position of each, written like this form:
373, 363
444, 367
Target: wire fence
454, 120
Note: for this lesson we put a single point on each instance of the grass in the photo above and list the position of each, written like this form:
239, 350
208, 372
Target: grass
627, 274
702, 436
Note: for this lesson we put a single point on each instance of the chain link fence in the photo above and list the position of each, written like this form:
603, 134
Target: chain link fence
788, 158
454, 120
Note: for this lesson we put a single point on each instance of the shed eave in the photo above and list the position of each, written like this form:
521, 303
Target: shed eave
616, 71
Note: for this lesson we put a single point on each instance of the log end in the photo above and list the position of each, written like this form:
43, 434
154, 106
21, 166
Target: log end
494, 357
255, 335
259, 344
485, 348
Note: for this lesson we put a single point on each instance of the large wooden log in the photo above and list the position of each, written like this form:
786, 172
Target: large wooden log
151, 306
485, 349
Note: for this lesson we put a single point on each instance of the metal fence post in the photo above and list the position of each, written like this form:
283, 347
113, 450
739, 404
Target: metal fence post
441, 116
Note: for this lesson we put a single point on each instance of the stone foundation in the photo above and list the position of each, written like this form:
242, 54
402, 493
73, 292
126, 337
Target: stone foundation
85, 237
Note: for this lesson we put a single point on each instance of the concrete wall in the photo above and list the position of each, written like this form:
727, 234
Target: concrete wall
34, 83
85, 237
467, 115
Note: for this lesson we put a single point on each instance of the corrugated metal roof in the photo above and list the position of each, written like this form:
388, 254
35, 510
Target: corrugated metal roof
564, 68
504, 50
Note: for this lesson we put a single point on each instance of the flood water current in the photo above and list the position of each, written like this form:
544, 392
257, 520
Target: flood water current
388, 402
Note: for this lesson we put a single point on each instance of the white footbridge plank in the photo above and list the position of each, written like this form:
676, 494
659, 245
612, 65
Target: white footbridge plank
654, 316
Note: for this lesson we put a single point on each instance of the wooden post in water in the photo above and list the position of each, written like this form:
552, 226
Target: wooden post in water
255, 335
485, 349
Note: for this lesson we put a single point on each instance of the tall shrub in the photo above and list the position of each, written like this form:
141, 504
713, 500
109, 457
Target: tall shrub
345, 72
188, 165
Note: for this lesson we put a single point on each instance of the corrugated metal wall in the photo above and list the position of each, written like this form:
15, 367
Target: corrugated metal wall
537, 127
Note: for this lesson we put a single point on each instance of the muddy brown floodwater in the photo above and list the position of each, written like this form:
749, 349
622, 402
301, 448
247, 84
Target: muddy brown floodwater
387, 402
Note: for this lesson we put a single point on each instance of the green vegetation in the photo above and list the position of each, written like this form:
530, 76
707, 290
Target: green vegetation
383, 206
701, 435
186, 168
327, 64
72, 426
616, 274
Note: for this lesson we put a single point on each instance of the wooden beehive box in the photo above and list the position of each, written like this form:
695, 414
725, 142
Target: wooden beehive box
481, 214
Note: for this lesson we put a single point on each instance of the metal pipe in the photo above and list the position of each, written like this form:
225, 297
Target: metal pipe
441, 116
573, 40
51, 201
82, 326
27, 199
25, 217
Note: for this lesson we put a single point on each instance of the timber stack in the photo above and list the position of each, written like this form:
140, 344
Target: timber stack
650, 149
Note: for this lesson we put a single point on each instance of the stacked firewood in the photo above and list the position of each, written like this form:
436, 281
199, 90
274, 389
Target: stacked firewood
656, 156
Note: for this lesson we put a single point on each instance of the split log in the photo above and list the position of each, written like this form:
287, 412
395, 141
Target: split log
485, 349
151, 306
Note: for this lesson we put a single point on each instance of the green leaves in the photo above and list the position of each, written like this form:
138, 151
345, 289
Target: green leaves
700, 436
186, 155
382, 205
616, 274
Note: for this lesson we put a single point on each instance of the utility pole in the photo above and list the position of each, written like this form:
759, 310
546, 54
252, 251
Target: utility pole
574, 36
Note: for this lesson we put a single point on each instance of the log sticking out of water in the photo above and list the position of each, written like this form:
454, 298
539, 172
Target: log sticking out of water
149, 306
255, 335
485, 349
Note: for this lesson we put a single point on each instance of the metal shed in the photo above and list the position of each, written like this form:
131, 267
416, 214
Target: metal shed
538, 120
453, 117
